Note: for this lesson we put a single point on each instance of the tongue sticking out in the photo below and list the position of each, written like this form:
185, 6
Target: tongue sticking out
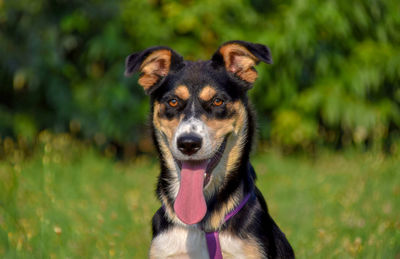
190, 206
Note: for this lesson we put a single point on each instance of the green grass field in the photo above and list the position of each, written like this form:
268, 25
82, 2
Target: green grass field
68, 201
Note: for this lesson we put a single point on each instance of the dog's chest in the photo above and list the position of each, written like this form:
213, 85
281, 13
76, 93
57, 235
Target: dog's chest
182, 242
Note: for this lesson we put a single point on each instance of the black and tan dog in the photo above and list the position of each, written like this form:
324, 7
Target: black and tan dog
203, 129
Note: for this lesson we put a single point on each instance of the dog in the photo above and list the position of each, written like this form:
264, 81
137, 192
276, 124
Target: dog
203, 128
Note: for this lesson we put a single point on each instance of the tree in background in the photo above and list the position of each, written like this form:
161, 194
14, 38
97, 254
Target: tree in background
334, 81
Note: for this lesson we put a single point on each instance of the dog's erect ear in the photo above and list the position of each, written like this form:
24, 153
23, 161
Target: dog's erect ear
240, 57
154, 64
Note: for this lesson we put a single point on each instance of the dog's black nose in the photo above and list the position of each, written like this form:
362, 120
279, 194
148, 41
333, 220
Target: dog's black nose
189, 144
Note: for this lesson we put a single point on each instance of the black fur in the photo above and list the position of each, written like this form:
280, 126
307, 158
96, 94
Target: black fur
253, 220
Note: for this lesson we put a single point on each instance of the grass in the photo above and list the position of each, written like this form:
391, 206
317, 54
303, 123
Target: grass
67, 201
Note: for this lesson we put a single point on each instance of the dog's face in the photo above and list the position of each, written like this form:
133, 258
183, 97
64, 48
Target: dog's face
199, 109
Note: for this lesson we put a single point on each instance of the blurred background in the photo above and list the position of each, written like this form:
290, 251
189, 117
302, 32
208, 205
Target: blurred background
77, 167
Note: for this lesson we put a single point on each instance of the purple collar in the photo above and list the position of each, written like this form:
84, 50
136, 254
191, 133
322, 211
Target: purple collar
212, 238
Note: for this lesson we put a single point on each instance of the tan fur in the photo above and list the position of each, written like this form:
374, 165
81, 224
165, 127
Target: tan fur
147, 80
170, 164
182, 92
252, 249
217, 218
207, 93
240, 128
240, 248
155, 66
240, 61
166, 126
170, 210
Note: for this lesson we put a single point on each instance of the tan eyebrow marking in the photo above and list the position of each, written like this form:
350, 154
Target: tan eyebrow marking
207, 93
182, 92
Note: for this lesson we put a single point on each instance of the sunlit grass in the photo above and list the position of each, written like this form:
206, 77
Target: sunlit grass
335, 206
68, 201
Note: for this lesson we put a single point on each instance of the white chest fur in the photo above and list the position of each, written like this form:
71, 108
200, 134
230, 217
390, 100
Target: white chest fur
181, 242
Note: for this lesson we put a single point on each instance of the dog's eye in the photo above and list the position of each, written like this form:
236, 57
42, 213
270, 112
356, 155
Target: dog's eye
218, 102
173, 102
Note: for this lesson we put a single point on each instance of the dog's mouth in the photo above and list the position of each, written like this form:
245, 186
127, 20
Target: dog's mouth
190, 205
211, 162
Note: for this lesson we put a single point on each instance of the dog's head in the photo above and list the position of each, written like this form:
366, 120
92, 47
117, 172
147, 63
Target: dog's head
199, 116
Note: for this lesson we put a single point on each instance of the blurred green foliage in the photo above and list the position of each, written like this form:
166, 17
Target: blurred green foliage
335, 80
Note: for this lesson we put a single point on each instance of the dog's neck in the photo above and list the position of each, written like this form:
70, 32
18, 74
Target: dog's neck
227, 199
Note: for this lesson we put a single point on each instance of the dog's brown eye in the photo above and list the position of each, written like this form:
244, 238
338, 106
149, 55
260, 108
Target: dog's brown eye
218, 102
173, 102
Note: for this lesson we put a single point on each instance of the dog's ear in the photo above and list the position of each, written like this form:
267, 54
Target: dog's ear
240, 57
154, 65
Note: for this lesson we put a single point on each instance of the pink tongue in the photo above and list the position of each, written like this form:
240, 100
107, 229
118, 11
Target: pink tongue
190, 206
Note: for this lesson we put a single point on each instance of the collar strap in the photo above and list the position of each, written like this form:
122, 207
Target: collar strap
212, 238
238, 208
